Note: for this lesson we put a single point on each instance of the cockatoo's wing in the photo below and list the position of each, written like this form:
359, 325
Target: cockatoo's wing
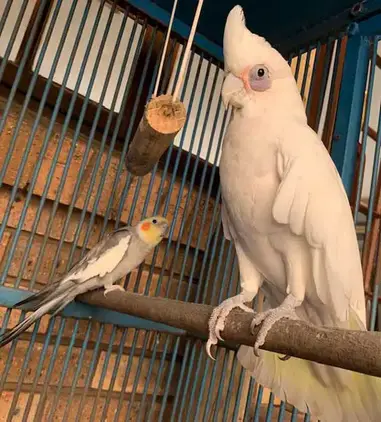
313, 203
225, 222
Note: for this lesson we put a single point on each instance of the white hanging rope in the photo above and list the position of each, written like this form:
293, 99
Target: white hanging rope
164, 49
187, 50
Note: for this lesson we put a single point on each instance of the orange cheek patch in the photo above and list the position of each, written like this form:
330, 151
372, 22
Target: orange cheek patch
146, 226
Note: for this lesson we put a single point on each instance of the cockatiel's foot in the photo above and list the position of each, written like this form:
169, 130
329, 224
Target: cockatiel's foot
218, 318
113, 287
270, 317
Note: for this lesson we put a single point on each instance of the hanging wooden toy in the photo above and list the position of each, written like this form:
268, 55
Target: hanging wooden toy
164, 116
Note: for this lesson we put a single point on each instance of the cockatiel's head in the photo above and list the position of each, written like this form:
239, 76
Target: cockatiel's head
153, 229
257, 76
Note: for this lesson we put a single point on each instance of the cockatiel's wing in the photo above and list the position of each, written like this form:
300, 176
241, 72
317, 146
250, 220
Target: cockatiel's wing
86, 275
104, 257
97, 262
313, 203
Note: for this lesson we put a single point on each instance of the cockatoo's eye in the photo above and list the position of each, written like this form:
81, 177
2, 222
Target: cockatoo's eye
259, 78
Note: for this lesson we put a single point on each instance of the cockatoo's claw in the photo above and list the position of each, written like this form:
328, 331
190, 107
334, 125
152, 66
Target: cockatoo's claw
284, 358
209, 344
218, 318
219, 336
270, 317
220, 325
109, 289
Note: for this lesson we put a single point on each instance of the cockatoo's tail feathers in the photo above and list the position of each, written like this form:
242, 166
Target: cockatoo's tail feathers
330, 394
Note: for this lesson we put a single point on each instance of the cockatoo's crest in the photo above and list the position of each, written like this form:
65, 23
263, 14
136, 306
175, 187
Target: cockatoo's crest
258, 79
243, 48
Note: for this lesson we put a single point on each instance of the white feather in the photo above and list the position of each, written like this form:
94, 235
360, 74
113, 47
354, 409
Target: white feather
106, 263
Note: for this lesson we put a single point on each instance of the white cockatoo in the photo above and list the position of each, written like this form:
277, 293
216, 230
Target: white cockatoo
116, 255
286, 210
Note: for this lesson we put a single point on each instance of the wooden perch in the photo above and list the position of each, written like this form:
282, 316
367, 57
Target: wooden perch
358, 351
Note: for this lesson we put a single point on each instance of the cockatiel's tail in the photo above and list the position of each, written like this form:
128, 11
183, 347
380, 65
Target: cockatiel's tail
286, 210
116, 255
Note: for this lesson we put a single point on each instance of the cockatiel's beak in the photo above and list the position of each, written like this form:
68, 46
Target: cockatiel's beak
231, 87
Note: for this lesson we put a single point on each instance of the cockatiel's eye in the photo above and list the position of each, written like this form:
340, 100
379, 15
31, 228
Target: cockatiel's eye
259, 78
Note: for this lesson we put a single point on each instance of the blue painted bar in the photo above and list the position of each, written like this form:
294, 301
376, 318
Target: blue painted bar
294, 415
5, 15
38, 369
159, 378
305, 74
126, 377
114, 374
21, 67
143, 399
12, 39
8, 297
90, 373
11, 353
23, 372
364, 139
326, 71
230, 391
350, 106
45, 142
75, 379
270, 408
258, 404
39, 410
282, 411
106, 362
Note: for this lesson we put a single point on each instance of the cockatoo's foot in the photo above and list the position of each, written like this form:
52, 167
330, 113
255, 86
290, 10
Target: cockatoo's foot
284, 358
113, 287
218, 317
270, 317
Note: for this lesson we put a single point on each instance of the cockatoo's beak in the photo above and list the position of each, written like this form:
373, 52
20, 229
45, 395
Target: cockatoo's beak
231, 86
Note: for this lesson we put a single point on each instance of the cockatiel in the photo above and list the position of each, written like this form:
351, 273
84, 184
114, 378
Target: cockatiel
116, 255
286, 210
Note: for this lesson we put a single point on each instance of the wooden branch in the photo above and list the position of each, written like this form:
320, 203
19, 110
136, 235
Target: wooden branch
358, 351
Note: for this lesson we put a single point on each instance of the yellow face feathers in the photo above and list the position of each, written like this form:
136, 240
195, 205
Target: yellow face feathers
152, 230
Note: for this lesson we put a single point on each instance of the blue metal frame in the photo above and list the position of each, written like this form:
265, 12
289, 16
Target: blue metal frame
303, 35
351, 100
350, 106
161, 15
